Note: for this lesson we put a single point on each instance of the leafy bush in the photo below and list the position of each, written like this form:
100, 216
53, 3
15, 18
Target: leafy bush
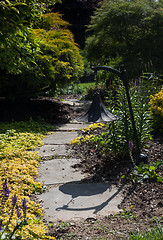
140, 91
86, 137
17, 52
93, 126
60, 60
37, 56
145, 172
81, 139
117, 135
156, 110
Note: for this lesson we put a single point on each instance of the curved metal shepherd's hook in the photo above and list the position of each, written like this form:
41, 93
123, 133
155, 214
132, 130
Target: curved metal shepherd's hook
123, 76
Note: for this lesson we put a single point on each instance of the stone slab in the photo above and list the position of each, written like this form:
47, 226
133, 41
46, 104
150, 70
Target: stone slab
78, 105
70, 126
58, 171
76, 201
53, 150
60, 138
73, 102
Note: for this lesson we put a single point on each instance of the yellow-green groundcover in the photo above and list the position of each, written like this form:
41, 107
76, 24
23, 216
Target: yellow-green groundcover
156, 110
86, 138
18, 166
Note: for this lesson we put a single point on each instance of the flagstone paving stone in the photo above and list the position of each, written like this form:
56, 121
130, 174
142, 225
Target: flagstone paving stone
75, 201
58, 171
60, 138
70, 126
68, 198
53, 150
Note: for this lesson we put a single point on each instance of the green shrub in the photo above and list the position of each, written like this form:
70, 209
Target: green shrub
145, 172
118, 134
117, 34
45, 57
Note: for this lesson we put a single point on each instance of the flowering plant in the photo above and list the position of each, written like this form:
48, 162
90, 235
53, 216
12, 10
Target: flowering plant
5, 229
93, 126
156, 109
81, 139
130, 147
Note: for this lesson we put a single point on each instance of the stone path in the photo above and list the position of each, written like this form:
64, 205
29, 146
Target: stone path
67, 198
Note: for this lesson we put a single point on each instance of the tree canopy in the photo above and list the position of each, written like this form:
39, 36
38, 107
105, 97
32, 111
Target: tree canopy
128, 32
36, 50
77, 13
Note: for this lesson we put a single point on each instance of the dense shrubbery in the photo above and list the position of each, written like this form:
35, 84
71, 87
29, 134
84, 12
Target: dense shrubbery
60, 61
119, 133
17, 19
37, 51
156, 110
78, 13
128, 32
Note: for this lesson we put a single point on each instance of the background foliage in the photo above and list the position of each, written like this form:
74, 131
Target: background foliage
128, 32
78, 14
36, 50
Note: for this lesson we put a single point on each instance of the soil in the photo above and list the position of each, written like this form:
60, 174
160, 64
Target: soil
41, 108
142, 205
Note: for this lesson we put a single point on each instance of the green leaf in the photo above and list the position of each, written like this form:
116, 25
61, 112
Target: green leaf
152, 168
8, 2
159, 179
159, 163
21, 4
16, 10
123, 176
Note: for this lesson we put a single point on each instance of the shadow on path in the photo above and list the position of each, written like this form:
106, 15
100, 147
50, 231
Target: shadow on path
88, 190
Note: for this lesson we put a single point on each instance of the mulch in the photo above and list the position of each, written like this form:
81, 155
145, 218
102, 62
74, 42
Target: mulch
142, 204
146, 198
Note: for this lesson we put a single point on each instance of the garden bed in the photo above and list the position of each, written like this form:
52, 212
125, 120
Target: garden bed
142, 204
141, 208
